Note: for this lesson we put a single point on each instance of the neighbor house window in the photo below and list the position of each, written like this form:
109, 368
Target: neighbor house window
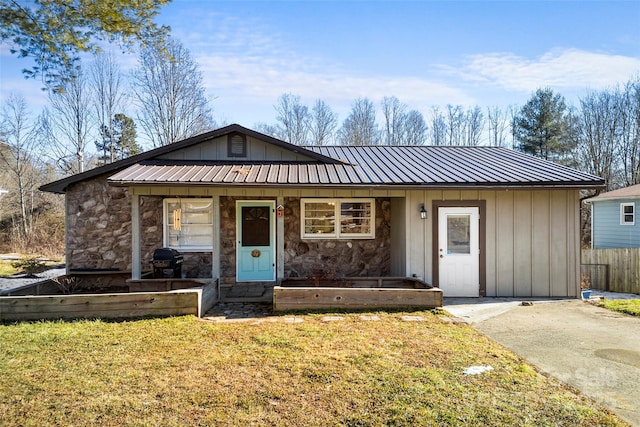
337, 218
188, 224
627, 213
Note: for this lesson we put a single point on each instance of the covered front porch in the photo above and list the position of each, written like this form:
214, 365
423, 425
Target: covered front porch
282, 252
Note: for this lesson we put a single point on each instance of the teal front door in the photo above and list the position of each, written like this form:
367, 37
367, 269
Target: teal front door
255, 231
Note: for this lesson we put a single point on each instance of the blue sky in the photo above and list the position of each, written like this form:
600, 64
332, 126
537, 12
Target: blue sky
425, 53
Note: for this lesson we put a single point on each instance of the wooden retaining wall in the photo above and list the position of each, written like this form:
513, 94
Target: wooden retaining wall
311, 298
195, 301
616, 270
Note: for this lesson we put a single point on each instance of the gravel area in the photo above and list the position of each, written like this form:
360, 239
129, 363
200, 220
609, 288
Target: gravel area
16, 281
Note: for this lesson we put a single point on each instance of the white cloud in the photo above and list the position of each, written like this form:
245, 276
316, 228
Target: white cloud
559, 68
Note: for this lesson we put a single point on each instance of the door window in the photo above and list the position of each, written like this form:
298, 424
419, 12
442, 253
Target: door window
458, 234
256, 226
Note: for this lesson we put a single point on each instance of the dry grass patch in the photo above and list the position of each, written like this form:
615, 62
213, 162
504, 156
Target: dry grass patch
184, 371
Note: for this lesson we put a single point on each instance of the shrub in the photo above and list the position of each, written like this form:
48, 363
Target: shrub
30, 265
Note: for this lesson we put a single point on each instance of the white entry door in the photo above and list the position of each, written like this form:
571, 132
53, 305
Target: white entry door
459, 251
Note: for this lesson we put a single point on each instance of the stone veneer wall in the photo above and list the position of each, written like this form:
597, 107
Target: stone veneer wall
99, 230
328, 258
99, 226
331, 258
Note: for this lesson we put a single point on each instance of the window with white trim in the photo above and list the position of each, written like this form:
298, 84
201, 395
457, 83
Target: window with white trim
627, 213
188, 224
337, 218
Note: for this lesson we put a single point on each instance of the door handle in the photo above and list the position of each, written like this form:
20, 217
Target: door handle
441, 256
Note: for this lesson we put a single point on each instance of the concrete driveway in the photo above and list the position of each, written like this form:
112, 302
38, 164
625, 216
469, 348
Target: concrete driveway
590, 348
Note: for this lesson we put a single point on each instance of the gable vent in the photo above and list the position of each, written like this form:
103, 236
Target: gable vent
237, 145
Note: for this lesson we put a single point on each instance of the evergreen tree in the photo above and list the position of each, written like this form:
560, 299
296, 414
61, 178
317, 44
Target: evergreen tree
541, 126
119, 145
124, 132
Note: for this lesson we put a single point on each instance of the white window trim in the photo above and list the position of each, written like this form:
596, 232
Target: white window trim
337, 234
165, 218
622, 214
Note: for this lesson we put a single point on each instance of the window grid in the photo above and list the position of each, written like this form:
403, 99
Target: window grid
627, 213
188, 224
337, 218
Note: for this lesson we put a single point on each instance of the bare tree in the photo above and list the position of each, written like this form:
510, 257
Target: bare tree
360, 127
322, 124
474, 124
293, 118
598, 130
629, 122
438, 127
415, 128
271, 130
498, 120
513, 111
105, 80
168, 88
70, 124
455, 121
18, 154
394, 120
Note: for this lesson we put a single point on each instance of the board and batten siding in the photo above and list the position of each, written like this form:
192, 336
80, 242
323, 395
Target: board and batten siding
532, 239
216, 149
607, 232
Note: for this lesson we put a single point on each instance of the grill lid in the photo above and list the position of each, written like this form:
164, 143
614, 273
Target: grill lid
166, 254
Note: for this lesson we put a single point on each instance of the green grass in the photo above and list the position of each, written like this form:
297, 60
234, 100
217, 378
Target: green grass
184, 371
627, 306
6, 269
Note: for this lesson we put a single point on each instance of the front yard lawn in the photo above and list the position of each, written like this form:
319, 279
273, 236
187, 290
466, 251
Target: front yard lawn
627, 306
184, 371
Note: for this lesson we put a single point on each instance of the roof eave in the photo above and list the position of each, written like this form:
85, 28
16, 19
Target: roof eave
417, 186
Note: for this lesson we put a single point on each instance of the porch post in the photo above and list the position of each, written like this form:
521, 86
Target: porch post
215, 256
279, 241
136, 263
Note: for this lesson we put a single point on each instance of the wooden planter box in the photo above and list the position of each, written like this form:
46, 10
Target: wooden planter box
357, 293
195, 301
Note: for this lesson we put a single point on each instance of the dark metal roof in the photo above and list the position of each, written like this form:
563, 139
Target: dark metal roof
406, 166
372, 166
458, 165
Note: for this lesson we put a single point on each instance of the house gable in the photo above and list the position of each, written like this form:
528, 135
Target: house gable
197, 146
254, 150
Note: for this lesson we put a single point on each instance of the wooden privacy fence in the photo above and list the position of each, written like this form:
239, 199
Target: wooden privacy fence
616, 270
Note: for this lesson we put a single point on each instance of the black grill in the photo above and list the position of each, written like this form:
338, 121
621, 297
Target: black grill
167, 259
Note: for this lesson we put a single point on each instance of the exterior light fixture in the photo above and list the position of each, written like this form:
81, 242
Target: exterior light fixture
423, 212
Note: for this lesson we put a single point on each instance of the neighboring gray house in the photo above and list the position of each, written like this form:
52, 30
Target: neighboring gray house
246, 208
614, 219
